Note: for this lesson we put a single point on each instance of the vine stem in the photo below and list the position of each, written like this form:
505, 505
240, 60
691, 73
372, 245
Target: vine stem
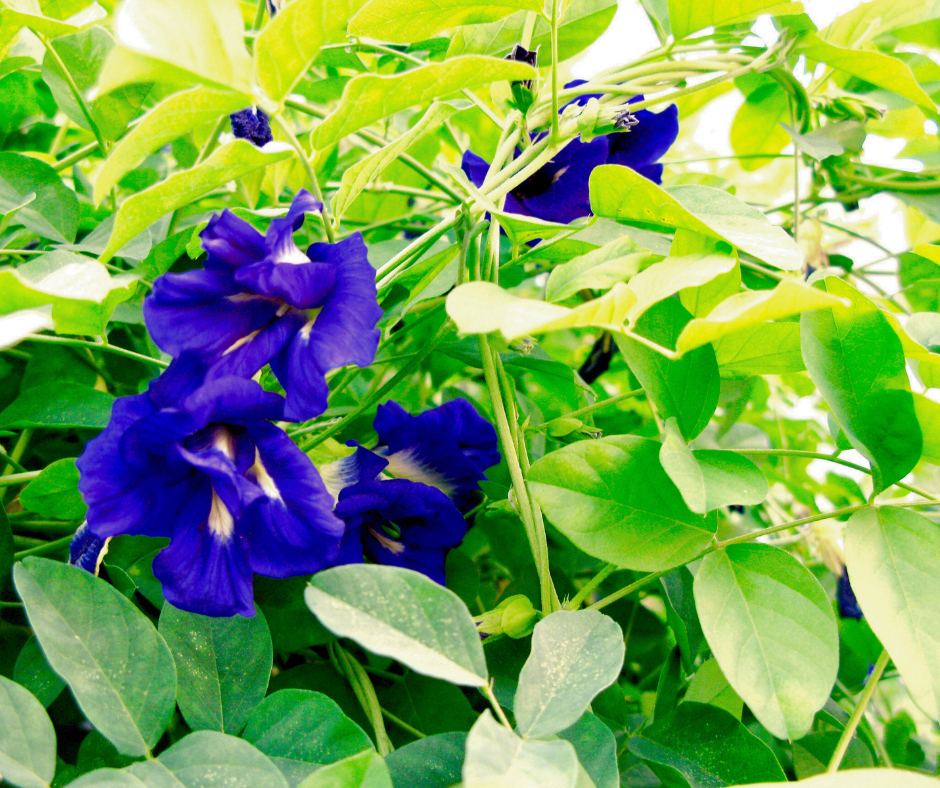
44, 549
524, 503
75, 156
487, 690
12, 479
76, 93
859, 712
109, 348
556, 4
361, 685
311, 176
796, 177
589, 586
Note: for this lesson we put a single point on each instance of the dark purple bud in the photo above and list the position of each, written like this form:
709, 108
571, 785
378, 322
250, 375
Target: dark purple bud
520, 54
252, 124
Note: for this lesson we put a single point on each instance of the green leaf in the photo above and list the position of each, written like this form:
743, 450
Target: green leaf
205, 759
756, 125
12, 19
583, 23
730, 478
416, 20
365, 770
681, 614
892, 556
228, 162
599, 269
709, 685
65, 405
598, 493
204, 39
401, 614
864, 778
107, 778
301, 730
920, 275
498, 758
928, 416
817, 146
689, 16
760, 349
686, 387
620, 193
116, 664
679, 462
222, 664
171, 118
33, 672
27, 739
698, 745
369, 97
82, 292
856, 360
54, 212
882, 70
430, 705
288, 44
596, 748
54, 492
771, 628
357, 177
432, 762
575, 655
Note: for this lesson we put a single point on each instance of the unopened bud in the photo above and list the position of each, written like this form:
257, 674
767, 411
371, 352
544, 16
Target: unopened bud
514, 617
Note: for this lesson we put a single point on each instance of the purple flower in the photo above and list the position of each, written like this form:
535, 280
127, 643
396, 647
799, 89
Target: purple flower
559, 191
397, 522
252, 124
86, 551
195, 459
262, 300
845, 596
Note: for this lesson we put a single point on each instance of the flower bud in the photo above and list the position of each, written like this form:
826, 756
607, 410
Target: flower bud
523, 91
514, 617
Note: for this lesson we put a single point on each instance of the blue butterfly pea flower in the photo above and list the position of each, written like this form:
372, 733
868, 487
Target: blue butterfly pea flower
845, 596
196, 460
560, 191
87, 551
397, 522
260, 300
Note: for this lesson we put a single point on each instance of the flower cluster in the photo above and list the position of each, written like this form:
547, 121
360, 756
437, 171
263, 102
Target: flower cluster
559, 191
196, 458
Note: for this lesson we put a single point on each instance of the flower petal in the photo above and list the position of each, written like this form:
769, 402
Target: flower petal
474, 167
205, 568
203, 310
279, 240
302, 285
258, 349
293, 530
361, 466
647, 142
86, 551
232, 400
231, 242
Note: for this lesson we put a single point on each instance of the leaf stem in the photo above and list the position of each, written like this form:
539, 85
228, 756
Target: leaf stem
311, 176
487, 690
362, 687
18, 478
119, 351
859, 712
213, 139
556, 7
49, 548
575, 602
627, 590
75, 156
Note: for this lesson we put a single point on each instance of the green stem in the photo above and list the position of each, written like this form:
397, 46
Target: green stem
588, 588
416, 248
76, 93
487, 691
362, 687
19, 449
556, 4
213, 139
508, 442
76, 156
49, 548
402, 724
18, 478
119, 351
796, 177
604, 404
382, 391
859, 712
627, 590
311, 176
828, 458
259, 15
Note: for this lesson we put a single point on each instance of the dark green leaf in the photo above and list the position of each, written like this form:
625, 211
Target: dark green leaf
54, 492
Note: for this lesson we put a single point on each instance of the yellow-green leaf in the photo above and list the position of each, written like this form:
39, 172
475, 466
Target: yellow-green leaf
882, 70
227, 163
620, 193
405, 21
760, 349
369, 97
688, 16
12, 20
357, 177
739, 311
288, 44
171, 118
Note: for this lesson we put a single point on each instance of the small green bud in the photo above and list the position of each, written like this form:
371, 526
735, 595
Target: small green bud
514, 617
